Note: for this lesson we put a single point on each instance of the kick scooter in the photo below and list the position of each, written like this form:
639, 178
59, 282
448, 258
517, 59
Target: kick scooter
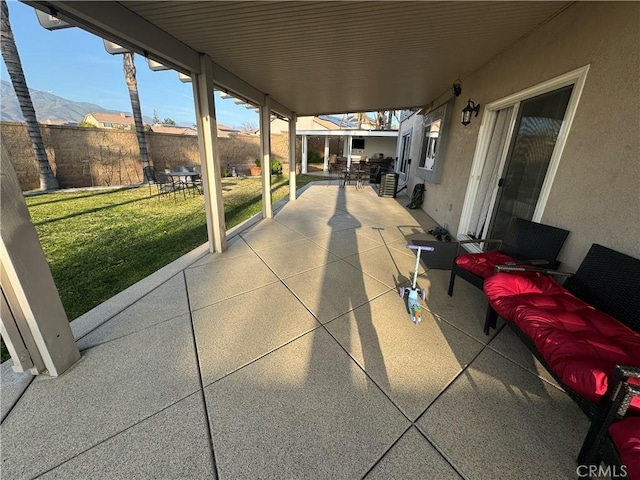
412, 293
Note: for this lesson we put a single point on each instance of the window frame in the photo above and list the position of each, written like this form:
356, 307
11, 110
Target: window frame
442, 116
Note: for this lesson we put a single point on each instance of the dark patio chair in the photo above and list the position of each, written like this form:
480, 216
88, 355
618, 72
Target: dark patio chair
166, 185
338, 169
195, 182
149, 174
525, 243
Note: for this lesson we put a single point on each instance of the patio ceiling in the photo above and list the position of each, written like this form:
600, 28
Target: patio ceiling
319, 57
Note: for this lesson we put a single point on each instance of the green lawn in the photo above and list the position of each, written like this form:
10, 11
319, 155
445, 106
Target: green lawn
98, 243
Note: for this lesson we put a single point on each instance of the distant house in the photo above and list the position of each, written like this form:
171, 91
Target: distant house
226, 132
173, 129
61, 123
223, 130
120, 121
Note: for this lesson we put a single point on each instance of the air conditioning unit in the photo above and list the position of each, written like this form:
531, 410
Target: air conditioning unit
388, 185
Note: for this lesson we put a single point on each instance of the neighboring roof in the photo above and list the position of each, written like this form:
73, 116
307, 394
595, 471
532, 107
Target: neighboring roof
173, 129
326, 123
54, 121
345, 121
224, 131
112, 118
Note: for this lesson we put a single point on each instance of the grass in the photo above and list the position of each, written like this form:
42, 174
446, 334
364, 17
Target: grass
98, 243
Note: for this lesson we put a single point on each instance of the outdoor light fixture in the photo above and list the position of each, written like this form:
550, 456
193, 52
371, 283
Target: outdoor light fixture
457, 87
468, 110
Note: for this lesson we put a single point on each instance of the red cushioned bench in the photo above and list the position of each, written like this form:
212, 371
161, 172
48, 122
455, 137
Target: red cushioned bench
581, 330
614, 436
625, 435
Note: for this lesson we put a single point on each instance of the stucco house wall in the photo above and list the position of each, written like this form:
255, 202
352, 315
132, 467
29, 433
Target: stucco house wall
596, 190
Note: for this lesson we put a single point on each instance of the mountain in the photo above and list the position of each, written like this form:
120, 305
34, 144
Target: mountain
47, 106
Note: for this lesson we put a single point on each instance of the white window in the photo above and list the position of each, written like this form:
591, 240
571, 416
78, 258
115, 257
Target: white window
431, 134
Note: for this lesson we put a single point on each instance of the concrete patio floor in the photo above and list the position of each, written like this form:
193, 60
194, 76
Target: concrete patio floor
291, 355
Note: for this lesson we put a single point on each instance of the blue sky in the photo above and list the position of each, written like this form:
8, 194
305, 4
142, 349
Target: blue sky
73, 64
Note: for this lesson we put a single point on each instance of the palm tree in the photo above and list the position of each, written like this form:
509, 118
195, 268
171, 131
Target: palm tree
132, 85
48, 181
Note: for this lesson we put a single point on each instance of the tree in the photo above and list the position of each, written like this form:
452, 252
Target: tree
155, 119
249, 127
168, 121
48, 181
132, 85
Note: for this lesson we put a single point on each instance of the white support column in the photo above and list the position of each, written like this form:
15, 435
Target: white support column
209, 155
265, 147
345, 147
34, 324
349, 143
326, 154
292, 157
304, 154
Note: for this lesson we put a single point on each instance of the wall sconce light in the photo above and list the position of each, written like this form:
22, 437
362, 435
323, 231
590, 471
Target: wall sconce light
457, 87
468, 110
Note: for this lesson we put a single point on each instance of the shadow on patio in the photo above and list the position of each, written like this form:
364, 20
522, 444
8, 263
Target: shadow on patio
292, 356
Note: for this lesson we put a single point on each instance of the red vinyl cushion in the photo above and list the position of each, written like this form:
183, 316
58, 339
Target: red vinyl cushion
482, 264
579, 343
626, 437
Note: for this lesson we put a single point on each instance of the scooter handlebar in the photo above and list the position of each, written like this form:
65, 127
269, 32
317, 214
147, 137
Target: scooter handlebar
421, 247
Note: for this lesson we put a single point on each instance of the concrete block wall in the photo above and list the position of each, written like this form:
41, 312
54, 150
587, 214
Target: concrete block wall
84, 157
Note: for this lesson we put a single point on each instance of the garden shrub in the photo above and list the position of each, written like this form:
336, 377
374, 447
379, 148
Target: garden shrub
314, 157
276, 167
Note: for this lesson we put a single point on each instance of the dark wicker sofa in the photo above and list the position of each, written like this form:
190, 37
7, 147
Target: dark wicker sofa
614, 436
582, 331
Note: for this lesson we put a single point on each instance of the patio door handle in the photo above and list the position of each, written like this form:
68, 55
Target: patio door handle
501, 182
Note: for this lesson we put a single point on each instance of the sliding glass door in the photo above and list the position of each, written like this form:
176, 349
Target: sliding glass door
531, 147
518, 152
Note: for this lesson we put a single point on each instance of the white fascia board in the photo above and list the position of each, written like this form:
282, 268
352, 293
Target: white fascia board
114, 22
223, 79
345, 133
281, 109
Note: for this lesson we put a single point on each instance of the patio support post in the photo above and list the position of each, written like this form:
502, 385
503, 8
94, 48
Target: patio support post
265, 147
304, 154
326, 154
35, 327
347, 146
209, 155
292, 157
